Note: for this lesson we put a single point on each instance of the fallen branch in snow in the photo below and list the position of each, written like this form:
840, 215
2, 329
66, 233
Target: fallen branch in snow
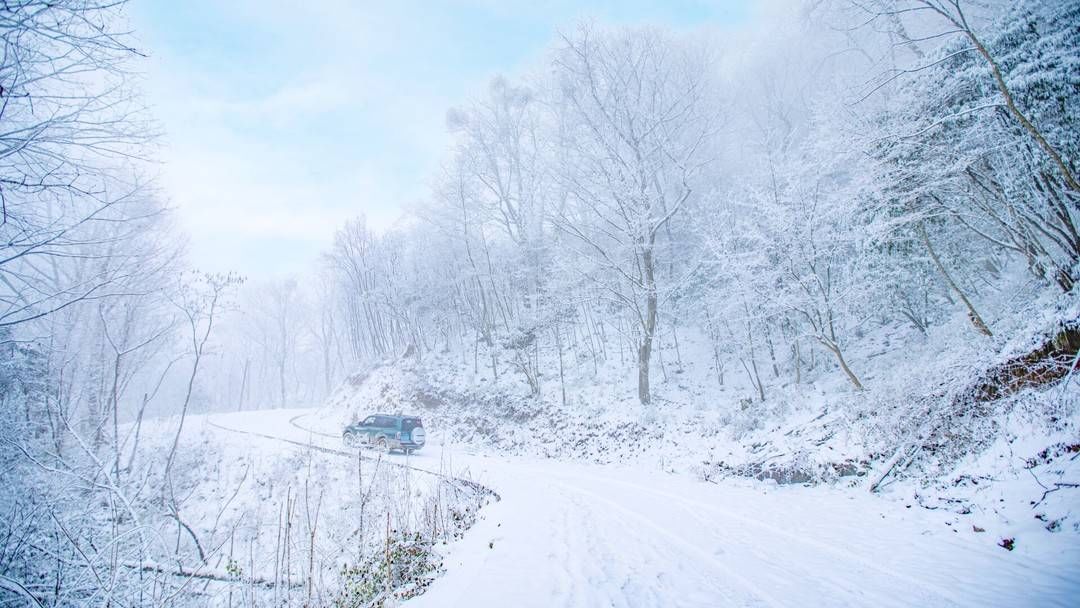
1057, 486
908, 449
890, 465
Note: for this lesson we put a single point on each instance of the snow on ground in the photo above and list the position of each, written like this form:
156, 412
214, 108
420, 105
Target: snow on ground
588, 534
985, 471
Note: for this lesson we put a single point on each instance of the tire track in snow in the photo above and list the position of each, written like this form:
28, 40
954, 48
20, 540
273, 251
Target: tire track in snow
293, 421
603, 557
769, 528
631, 579
748, 586
856, 596
604, 567
1029, 564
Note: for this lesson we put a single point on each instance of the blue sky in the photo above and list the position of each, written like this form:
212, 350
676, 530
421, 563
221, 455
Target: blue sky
282, 119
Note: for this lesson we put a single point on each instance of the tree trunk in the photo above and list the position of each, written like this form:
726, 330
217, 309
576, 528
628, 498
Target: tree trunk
976, 319
115, 398
562, 376
798, 362
755, 376
835, 349
281, 381
243, 385
772, 351
644, 353
645, 348
183, 411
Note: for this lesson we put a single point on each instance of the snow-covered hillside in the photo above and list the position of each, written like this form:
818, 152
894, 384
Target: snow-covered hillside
818, 430
1007, 484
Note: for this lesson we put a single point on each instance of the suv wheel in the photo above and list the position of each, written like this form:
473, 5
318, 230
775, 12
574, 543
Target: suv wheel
350, 439
383, 445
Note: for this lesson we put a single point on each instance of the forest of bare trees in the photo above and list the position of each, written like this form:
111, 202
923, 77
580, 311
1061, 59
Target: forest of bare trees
640, 185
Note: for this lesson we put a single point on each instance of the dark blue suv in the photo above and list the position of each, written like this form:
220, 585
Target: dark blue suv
386, 433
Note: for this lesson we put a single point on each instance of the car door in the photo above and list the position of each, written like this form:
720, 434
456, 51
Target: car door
387, 426
368, 428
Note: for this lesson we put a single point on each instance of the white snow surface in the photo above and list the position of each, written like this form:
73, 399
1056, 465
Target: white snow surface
590, 534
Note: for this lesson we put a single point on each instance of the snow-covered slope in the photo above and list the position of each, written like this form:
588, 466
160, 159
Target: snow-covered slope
589, 534
1003, 476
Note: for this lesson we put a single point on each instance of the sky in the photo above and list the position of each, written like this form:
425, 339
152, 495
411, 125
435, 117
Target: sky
281, 120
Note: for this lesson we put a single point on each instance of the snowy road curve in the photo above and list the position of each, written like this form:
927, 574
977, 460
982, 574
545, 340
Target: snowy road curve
567, 535
587, 535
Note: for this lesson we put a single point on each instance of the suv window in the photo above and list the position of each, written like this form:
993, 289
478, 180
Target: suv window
370, 420
385, 421
408, 424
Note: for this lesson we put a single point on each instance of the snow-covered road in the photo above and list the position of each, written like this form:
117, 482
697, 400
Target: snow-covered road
567, 534
575, 535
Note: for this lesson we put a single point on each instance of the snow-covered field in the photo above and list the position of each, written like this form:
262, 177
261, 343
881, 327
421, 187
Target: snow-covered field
586, 534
